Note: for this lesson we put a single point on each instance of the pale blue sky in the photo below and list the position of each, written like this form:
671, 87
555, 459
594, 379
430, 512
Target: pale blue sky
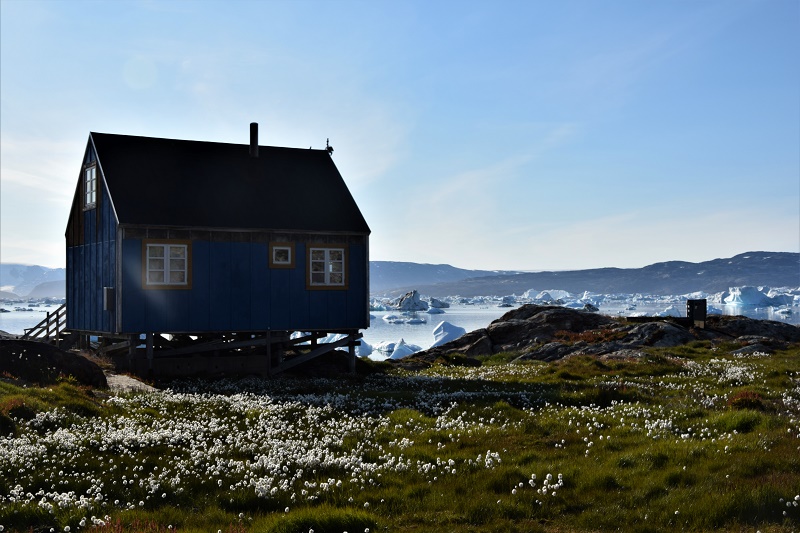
529, 135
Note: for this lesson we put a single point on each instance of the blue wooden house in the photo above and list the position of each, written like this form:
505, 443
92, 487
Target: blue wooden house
230, 243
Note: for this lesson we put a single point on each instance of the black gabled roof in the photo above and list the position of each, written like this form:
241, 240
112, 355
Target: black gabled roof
168, 182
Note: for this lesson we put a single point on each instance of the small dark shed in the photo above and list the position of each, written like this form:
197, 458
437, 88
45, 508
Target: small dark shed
198, 238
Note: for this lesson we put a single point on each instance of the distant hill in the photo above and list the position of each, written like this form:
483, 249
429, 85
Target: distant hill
52, 289
22, 280
772, 269
386, 275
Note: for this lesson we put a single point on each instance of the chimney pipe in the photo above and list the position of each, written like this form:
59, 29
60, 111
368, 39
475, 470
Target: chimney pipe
254, 139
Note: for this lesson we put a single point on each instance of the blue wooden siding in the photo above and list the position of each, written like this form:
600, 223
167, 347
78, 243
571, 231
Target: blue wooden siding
90, 267
233, 289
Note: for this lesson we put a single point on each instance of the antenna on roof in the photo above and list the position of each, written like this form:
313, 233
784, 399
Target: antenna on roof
328, 147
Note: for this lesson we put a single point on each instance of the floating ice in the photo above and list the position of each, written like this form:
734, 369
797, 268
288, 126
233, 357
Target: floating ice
384, 346
446, 332
439, 304
670, 311
362, 350
747, 296
402, 349
411, 302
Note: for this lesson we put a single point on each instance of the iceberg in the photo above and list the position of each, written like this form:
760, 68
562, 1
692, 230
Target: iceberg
746, 296
435, 311
438, 304
402, 349
553, 296
446, 332
362, 350
670, 311
411, 302
530, 294
384, 346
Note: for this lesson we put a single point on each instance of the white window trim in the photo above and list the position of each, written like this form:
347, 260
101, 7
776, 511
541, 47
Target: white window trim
327, 268
90, 187
166, 247
276, 261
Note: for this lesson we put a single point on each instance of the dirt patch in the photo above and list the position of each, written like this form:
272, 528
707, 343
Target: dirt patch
125, 383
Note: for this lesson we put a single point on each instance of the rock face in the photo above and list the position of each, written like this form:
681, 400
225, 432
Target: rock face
738, 326
42, 363
549, 333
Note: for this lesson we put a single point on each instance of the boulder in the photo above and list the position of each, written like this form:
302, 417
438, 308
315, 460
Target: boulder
548, 333
659, 334
42, 363
738, 326
552, 351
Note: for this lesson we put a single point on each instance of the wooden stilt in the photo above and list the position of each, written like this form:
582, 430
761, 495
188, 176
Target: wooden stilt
351, 345
149, 344
269, 353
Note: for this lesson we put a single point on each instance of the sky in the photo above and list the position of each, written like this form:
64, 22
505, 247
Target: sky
511, 134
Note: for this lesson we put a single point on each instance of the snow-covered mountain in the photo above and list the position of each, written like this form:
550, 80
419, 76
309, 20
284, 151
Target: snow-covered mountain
32, 280
772, 269
387, 275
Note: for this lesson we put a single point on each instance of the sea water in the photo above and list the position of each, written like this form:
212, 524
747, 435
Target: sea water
469, 317
474, 317
15, 322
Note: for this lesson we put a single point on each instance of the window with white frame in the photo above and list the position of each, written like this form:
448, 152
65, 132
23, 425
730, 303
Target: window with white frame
281, 255
90, 187
326, 267
167, 264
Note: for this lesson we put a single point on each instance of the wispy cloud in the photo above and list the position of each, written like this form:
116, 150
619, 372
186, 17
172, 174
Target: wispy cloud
44, 166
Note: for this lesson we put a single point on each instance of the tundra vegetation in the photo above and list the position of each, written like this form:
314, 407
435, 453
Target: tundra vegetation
690, 438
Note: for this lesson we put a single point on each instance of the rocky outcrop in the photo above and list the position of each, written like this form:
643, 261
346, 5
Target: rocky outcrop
42, 363
739, 326
549, 333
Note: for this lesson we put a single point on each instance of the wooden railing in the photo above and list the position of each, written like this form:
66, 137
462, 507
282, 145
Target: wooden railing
50, 328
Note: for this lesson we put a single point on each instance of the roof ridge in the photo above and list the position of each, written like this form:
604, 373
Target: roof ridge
145, 137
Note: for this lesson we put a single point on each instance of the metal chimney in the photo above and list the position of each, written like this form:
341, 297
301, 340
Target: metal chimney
254, 139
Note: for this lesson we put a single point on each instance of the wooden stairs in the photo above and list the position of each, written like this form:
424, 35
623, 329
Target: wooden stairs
52, 330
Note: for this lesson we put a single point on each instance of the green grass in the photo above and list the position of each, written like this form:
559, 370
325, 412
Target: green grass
689, 438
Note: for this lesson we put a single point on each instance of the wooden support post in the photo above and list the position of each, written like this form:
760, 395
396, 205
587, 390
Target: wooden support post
149, 342
133, 342
351, 345
269, 353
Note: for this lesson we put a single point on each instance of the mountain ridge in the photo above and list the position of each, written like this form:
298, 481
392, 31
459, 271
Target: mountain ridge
392, 278
772, 269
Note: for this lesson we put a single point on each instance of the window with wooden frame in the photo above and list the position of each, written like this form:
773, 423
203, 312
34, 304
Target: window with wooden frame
327, 268
167, 264
90, 187
281, 255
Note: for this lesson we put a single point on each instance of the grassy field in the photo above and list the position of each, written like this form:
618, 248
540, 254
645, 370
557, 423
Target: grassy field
688, 438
